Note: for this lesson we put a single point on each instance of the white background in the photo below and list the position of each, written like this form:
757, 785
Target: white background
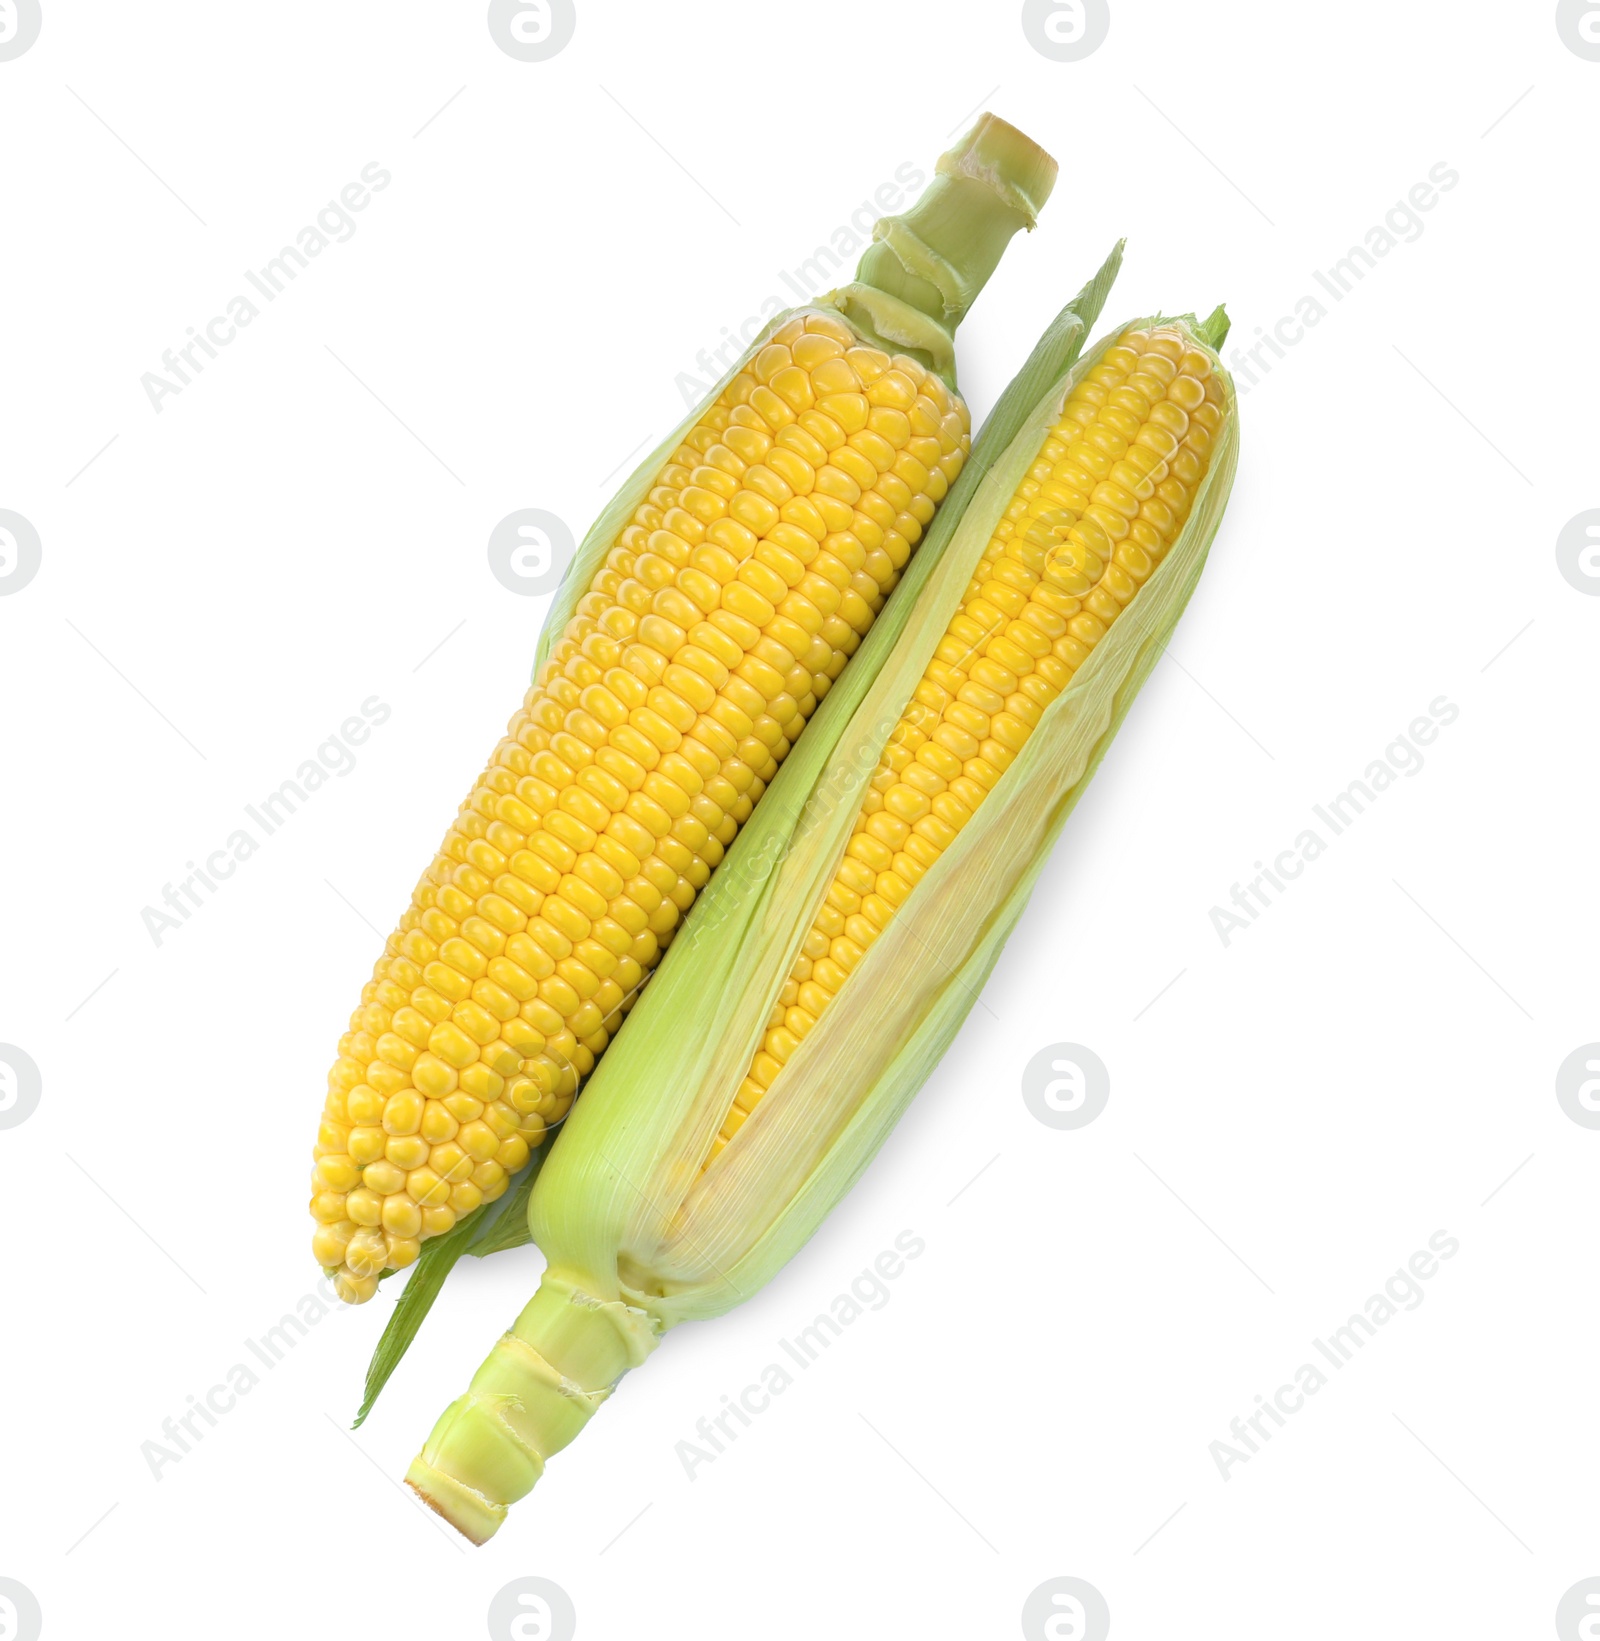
1290, 1118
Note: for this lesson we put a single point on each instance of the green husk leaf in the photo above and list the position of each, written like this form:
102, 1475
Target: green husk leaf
427, 1277
1213, 330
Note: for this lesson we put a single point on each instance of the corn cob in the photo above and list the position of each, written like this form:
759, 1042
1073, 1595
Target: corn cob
712, 607
1112, 486
639, 1233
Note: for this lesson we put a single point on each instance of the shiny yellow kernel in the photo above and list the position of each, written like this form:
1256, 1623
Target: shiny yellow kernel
407, 1151
330, 1242
364, 1206
366, 1251
403, 1113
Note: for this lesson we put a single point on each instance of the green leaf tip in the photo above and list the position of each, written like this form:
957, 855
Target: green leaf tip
1213, 331
491, 1229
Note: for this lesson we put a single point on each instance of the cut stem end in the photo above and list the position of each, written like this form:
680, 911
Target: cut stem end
926, 266
536, 1390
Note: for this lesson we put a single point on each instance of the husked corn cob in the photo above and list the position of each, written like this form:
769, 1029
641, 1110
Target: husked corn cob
723, 614
757, 554
1111, 488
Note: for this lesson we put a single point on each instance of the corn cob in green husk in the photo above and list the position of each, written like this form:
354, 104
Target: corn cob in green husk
835, 955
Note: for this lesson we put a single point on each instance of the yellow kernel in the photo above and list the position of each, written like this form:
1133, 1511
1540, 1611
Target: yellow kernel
432, 1077
327, 1207
363, 1105
403, 1113
462, 1106
330, 1241
365, 1207
453, 1046
395, 1052
450, 1162
337, 1173
365, 1144
366, 1251
815, 349
478, 1140
407, 1151
427, 1189
490, 1178
869, 363
1187, 393
437, 1123
401, 1216
383, 1177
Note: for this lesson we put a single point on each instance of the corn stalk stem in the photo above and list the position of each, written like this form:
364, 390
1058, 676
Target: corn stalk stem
536, 1390
926, 266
